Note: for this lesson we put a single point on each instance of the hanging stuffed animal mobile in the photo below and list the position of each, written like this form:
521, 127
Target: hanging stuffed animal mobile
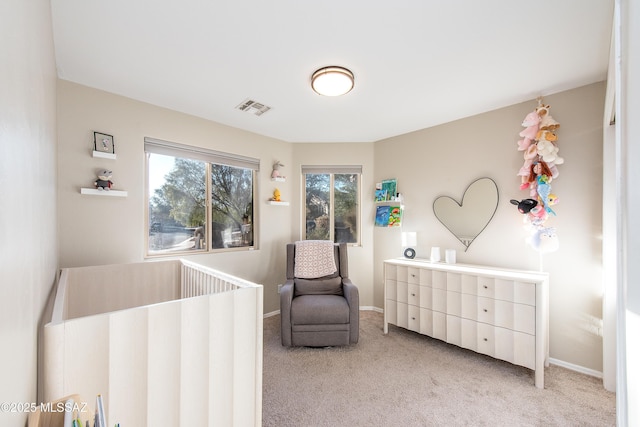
540, 147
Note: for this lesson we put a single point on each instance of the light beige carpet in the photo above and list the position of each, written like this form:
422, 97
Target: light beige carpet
407, 379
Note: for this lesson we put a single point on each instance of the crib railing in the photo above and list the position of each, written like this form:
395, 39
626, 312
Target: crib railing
198, 280
193, 360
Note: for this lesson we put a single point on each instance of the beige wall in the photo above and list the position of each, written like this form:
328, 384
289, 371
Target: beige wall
443, 160
98, 230
28, 238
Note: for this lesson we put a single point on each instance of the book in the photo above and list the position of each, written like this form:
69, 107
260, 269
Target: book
382, 216
395, 216
388, 216
381, 195
100, 420
391, 187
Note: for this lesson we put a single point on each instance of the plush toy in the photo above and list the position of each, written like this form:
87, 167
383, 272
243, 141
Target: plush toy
546, 135
530, 122
276, 169
548, 123
544, 240
524, 205
544, 191
276, 195
104, 180
530, 155
537, 217
548, 152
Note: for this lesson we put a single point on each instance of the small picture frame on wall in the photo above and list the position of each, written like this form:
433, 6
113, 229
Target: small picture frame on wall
103, 143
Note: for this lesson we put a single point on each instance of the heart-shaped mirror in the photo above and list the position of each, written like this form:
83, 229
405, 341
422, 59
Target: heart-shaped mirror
466, 219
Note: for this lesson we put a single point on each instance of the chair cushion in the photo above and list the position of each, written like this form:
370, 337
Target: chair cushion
322, 286
319, 309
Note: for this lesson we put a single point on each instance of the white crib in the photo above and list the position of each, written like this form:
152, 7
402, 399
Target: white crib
166, 343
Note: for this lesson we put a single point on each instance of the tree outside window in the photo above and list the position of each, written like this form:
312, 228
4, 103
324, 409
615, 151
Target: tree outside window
195, 205
332, 209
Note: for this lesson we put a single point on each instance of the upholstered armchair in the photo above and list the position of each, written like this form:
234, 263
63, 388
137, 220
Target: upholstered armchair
318, 311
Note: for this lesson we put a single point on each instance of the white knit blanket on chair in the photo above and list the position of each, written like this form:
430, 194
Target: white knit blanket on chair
314, 258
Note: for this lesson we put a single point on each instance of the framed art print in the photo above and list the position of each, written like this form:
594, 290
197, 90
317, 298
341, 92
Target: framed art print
103, 143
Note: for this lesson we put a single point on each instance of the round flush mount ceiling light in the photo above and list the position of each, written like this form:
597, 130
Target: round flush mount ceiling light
332, 81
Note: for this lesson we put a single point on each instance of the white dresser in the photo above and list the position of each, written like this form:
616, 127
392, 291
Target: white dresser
498, 312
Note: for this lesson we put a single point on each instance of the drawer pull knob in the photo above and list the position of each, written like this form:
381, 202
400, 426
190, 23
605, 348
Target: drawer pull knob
413, 295
486, 339
486, 287
413, 318
485, 310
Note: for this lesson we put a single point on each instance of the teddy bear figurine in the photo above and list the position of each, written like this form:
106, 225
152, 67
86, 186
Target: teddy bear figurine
103, 182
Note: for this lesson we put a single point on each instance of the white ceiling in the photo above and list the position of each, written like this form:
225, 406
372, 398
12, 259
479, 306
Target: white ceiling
417, 63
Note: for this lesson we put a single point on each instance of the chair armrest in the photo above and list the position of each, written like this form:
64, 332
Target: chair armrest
352, 296
286, 296
351, 292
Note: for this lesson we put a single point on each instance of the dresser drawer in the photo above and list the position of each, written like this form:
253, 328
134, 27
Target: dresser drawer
413, 318
433, 324
413, 275
509, 315
426, 297
462, 305
396, 272
398, 291
403, 315
504, 344
507, 290
413, 294
391, 289
397, 313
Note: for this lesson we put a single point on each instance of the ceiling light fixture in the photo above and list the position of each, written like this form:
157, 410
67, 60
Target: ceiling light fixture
332, 81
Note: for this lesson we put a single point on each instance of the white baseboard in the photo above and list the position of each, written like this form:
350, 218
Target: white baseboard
371, 308
576, 368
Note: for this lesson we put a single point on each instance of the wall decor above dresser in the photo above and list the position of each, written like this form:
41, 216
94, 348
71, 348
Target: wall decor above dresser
467, 218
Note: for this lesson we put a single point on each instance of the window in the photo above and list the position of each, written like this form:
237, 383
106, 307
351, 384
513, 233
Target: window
332, 203
198, 200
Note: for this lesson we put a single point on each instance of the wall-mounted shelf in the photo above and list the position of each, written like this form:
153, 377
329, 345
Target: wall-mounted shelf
389, 203
102, 155
279, 179
273, 202
96, 192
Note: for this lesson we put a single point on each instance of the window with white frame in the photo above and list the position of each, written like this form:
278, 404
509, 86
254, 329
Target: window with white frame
332, 203
198, 200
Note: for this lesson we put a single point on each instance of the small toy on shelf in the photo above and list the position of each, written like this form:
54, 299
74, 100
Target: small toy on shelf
276, 170
276, 195
104, 180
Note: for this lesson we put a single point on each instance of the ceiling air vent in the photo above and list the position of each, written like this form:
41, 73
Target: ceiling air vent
251, 106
